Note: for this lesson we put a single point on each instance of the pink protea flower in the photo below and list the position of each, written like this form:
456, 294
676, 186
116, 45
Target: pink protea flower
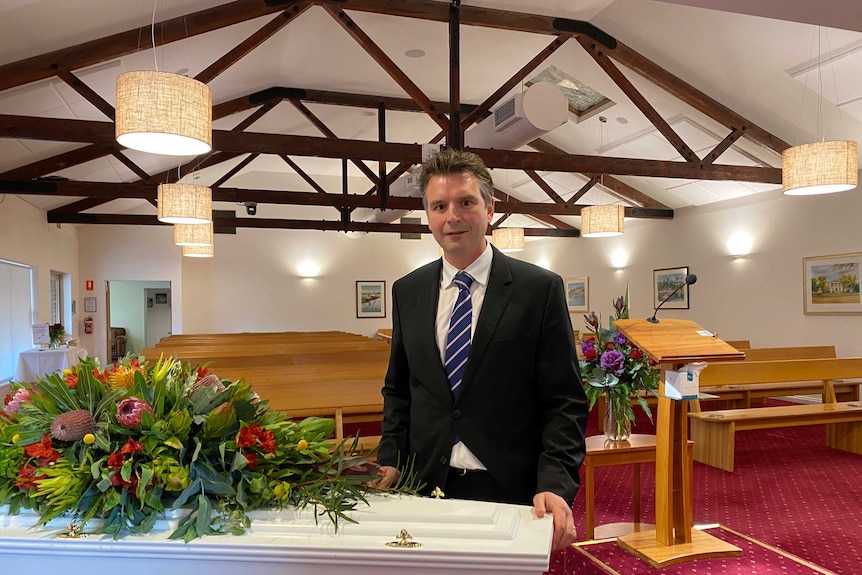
130, 410
21, 396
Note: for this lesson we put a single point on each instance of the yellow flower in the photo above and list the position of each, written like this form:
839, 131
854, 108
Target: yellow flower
302, 445
89, 438
123, 377
15, 438
66, 372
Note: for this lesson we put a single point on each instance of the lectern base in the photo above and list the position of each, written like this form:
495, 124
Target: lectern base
703, 546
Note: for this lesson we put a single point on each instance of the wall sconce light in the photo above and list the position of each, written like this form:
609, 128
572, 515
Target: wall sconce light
619, 259
308, 269
739, 244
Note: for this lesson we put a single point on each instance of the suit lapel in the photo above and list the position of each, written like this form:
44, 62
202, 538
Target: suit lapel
497, 296
428, 294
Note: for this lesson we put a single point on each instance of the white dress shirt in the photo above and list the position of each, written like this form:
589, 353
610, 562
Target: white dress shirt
479, 270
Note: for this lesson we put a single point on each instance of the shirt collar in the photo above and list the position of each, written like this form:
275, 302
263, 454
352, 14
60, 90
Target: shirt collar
479, 270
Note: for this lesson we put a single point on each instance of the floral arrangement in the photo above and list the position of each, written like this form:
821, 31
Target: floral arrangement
116, 448
55, 332
614, 367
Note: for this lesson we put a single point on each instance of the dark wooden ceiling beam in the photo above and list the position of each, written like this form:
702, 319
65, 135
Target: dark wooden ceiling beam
243, 48
324, 129
584, 189
235, 170
246, 142
503, 199
132, 166
618, 188
309, 180
722, 146
87, 93
107, 191
385, 62
597, 52
58, 162
544, 186
270, 223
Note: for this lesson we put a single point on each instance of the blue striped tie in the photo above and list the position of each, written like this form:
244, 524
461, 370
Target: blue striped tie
458, 338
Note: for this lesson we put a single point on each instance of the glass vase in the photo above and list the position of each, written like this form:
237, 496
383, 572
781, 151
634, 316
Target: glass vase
617, 426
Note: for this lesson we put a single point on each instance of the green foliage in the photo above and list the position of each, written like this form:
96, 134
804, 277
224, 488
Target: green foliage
214, 452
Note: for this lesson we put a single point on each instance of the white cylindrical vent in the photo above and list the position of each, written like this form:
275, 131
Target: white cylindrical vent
521, 118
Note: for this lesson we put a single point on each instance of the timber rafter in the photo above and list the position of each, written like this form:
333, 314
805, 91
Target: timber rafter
98, 137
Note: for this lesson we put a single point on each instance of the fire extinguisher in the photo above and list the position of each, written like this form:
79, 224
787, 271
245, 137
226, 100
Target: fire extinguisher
88, 324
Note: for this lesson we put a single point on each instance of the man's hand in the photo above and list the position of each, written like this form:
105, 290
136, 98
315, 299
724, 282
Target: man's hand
564, 525
388, 477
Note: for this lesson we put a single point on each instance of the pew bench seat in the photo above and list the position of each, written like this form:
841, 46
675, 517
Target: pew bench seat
714, 432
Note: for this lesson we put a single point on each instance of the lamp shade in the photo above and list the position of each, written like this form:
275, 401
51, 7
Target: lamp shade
819, 168
602, 221
508, 239
184, 204
163, 113
193, 234
198, 251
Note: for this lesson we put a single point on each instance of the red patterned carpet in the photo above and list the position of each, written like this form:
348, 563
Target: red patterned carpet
788, 492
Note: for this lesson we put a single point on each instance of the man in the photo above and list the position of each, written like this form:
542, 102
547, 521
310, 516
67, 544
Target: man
504, 421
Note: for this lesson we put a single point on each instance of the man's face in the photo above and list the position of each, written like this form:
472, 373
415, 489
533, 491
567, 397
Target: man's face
458, 217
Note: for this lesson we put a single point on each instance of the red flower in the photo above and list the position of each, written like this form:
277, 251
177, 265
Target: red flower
247, 435
25, 477
590, 354
116, 460
71, 380
43, 451
103, 377
635, 353
610, 345
202, 372
132, 446
252, 460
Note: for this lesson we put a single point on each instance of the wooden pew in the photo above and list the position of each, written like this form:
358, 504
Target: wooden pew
740, 394
714, 432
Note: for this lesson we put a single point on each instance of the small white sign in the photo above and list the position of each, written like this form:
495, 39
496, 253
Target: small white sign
685, 383
41, 334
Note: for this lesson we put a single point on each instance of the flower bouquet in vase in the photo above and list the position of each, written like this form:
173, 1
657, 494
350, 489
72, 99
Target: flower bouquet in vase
55, 335
615, 368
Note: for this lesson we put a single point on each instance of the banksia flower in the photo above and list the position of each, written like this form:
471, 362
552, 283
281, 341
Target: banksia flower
130, 410
72, 425
208, 381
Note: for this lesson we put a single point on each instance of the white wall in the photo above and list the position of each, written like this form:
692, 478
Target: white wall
253, 285
26, 237
759, 297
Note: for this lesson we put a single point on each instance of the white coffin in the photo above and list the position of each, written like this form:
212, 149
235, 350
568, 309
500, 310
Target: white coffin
469, 537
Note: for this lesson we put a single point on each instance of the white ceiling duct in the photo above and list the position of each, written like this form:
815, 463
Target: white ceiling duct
521, 118
407, 186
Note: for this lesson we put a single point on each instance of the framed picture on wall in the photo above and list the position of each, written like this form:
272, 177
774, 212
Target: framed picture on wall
370, 299
161, 297
667, 281
831, 284
90, 304
578, 294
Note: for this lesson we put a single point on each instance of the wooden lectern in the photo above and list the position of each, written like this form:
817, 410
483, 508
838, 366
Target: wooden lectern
674, 343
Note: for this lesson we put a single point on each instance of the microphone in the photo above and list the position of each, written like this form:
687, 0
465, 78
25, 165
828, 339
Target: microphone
689, 279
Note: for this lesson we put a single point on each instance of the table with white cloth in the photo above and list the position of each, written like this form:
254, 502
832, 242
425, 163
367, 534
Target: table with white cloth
35, 363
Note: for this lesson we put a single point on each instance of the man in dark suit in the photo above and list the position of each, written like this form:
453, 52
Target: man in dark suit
504, 420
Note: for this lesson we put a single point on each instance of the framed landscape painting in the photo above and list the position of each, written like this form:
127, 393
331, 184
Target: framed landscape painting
831, 284
665, 282
370, 299
578, 293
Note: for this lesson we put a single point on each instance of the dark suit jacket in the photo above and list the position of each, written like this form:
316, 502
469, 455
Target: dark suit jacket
522, 408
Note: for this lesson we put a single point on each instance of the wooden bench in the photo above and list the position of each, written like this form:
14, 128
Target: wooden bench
714, 432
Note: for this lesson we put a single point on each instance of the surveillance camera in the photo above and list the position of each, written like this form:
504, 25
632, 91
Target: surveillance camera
251, 208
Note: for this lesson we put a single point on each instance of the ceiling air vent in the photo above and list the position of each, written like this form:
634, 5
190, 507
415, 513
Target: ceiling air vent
506, 113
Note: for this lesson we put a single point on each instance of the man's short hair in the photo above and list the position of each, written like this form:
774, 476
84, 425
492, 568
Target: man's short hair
456, 162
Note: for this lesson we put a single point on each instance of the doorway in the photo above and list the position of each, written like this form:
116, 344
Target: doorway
140, 315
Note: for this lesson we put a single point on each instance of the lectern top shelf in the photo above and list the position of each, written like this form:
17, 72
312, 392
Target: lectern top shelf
677, 341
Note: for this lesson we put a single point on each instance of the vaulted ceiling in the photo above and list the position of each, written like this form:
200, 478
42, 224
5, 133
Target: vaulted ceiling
319, 107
